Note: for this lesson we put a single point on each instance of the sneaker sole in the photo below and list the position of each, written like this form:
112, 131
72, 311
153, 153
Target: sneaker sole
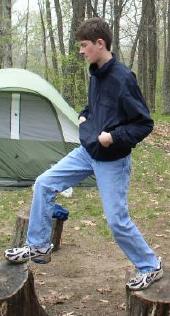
42, 260
15, 261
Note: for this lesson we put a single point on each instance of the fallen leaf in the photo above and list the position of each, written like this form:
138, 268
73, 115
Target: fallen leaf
85, 298
156, 246
104, 301
104, 290
77, 228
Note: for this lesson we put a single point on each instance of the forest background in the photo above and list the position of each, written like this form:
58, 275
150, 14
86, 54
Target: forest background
40, 36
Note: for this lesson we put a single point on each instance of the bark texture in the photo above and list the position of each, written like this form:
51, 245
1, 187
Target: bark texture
17, 292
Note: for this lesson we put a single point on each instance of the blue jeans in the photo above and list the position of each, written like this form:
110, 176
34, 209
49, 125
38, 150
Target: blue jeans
113, 181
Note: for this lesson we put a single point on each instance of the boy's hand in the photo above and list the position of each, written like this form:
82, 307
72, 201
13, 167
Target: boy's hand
82, 119
105, 139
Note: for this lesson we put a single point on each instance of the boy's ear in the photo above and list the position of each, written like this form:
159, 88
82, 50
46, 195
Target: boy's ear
101, 42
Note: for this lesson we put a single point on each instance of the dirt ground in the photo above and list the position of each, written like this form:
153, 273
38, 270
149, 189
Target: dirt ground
87, 275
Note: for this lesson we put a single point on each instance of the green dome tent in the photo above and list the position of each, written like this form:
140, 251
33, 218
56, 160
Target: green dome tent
37, 127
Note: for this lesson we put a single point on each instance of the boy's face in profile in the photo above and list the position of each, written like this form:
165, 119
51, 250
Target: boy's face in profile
92, 52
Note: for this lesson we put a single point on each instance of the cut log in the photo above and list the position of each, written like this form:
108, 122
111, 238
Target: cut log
17, 293
154, 301
20, 231
57, 233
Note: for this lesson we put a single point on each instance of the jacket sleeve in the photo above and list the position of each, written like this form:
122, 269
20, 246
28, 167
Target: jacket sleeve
138, 123
84, 112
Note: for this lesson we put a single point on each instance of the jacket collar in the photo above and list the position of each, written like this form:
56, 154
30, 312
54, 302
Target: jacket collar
101, 72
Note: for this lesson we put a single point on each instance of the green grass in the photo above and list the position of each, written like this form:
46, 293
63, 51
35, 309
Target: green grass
159, 117
149, 192
148, 197
10, 203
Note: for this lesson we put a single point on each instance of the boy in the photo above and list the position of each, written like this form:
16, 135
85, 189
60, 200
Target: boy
114, 121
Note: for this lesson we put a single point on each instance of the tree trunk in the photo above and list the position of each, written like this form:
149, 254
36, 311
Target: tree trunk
89, 9
44, 39
1, 34
134, 46
152, 54
6, 36
52, 41
116, 25
17, 293
167, 69
70, 70
95, 5
78, 16
164, 15
26, 37
142, 52
59, 26
104, 8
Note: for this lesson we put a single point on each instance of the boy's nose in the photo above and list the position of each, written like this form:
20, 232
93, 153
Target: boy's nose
81, 52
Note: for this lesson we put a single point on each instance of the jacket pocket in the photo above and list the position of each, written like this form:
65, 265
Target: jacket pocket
89, 137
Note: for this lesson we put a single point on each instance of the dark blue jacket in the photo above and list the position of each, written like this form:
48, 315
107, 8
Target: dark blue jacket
115, 105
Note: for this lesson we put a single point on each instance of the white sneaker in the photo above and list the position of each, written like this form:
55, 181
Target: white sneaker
24, 254
143, 280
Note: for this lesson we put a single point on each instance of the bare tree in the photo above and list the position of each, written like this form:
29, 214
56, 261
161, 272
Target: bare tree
59, 26
118, 8
94, 8
104, 8
51, 34
78, 16
89, 9
26, 36
167, 69
1, 34
73, 72
142, 52
44, 38
95, 5
5, 32
152, 54
147, 52
135, 43
164, 16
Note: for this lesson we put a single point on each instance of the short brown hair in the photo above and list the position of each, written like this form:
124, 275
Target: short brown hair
93, 29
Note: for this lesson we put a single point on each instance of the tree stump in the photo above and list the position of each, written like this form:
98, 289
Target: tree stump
56, 233
21, 226
17, 293
154, 301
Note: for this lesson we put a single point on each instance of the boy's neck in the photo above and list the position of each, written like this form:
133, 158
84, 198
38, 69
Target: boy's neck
104, 59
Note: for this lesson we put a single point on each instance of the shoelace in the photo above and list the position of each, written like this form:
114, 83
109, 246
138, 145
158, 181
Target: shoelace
139, 276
